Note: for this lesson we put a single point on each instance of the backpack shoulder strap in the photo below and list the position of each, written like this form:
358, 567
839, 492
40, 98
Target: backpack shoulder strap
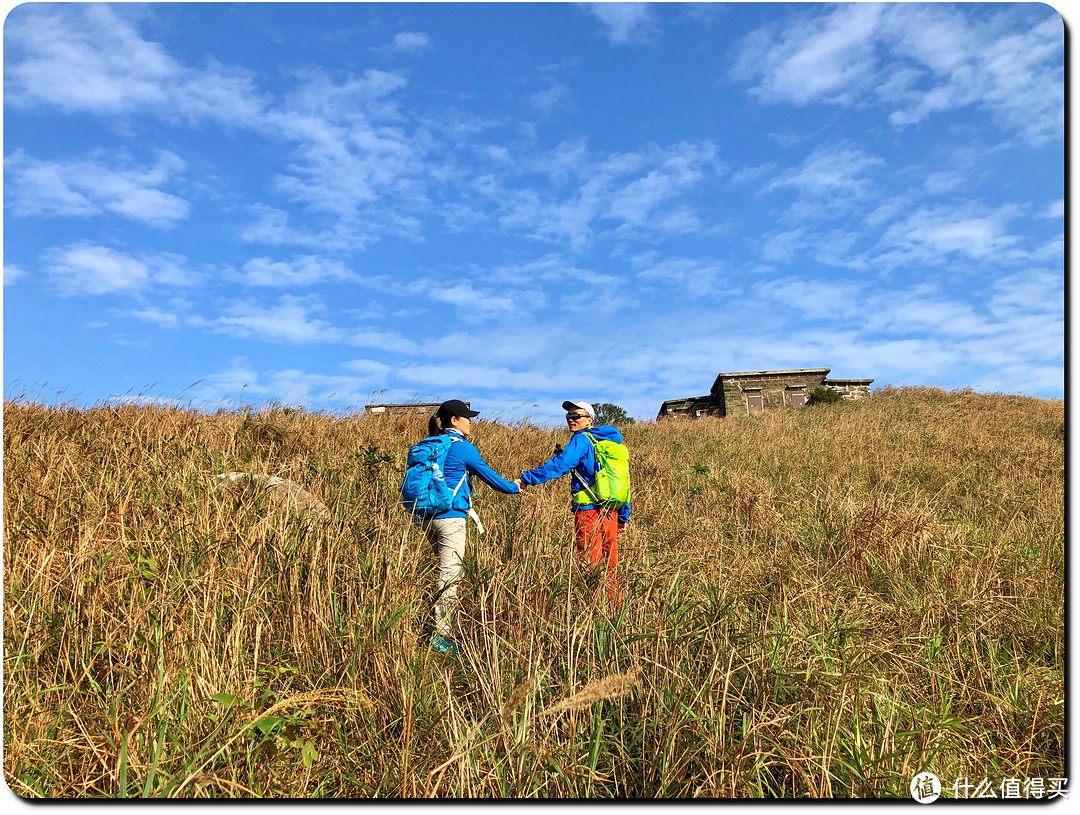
453, 438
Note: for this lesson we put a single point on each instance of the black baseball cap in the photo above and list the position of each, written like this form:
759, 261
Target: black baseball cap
455, 407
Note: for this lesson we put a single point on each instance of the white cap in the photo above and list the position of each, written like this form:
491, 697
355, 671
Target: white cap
584, 407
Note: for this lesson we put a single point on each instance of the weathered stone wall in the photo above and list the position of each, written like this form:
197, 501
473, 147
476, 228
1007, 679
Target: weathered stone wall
689, 408
775, 388
850, 389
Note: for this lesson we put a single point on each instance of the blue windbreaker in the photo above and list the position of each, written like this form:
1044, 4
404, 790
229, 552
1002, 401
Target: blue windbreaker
579, 459
463, 459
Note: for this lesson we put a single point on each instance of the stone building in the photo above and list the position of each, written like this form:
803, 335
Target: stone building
425, 408
750, 392
692, 407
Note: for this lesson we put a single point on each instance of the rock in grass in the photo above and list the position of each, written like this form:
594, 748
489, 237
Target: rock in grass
285, 493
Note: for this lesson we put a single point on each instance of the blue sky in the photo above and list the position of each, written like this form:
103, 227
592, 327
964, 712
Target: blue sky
333, 204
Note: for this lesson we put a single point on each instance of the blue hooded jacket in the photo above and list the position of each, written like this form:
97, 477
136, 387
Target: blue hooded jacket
579, 459
463, 459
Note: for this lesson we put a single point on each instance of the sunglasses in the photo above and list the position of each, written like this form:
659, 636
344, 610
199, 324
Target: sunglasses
574, 416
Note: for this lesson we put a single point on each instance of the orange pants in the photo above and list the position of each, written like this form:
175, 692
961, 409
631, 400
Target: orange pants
597, 534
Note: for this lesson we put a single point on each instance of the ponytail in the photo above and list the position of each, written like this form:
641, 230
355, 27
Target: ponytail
433, 428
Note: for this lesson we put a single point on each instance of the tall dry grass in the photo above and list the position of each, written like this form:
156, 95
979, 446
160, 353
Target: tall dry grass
820, 602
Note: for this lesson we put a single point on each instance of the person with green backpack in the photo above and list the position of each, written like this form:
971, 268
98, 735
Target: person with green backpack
598, 463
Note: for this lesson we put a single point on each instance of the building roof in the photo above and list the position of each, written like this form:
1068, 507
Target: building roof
404, 406
716, 382
687, 399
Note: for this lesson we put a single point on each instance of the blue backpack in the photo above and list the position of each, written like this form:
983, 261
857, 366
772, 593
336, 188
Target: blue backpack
424, 491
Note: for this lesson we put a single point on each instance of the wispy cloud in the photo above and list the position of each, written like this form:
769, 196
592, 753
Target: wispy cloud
932, 234
289, 321
12, 273
90, 187
118, 72
625, 22
156, 316
1055, 209
550, 97
305, 270
698, 277
85, 268
921, 59
385, 341
412, 42
241, 384
645, 194
842, 174
811, 58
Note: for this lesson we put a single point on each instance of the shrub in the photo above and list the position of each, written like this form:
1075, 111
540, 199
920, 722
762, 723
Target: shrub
824, 395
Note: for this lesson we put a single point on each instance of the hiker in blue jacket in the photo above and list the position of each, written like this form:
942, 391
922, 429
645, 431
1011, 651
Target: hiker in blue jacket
446, 531
596, 527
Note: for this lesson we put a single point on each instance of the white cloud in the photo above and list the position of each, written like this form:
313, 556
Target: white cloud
289, 321
641, 194
368, 369
241, 384
696, 276
816, 299
1055, 209
549, 98
12, 273
465, 376
305, 270
932, 233
625, 22
783, 246
232, 383
747, 174
302, 388
812, 59
412, 42
920, 59
471, 302
385, 341
944, 181
227, 95
1033, 291
831, 172
117, 71
354, 162
1008, 64
160, 318
274, 227
86, 269
550, 268
90, 187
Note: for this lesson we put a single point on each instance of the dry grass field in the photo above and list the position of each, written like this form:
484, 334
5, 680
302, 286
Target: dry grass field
820, 603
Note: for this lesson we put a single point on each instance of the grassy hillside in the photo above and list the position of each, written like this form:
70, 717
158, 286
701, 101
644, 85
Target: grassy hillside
821, 602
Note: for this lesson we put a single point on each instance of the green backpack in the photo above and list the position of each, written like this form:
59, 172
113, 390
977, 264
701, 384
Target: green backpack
612, 487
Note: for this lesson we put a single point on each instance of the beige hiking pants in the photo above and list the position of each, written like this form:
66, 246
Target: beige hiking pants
447, 537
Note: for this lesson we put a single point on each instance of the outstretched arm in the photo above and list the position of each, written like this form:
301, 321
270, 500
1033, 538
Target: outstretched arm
478, 467
559, 464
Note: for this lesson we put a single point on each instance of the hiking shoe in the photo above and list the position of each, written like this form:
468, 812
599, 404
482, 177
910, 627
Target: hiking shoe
445, 644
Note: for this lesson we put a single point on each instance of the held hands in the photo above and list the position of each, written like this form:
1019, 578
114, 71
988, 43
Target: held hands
519, 484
